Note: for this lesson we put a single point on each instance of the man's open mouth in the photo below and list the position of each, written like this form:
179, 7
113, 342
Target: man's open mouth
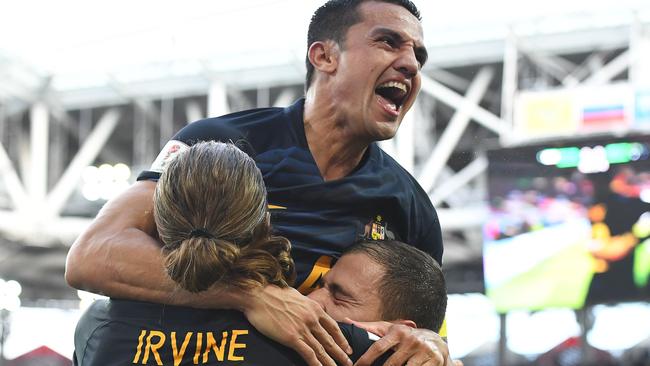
394, 93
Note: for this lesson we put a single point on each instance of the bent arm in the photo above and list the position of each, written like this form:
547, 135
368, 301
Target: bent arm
118, 256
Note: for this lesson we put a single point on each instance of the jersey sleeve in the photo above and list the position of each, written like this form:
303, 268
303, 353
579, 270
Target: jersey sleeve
431, 241
360, 340
94, 318
211, 129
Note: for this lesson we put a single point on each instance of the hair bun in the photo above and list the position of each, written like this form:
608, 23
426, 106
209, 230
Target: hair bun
200, 262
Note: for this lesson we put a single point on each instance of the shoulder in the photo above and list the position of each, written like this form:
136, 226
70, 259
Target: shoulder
417, 206
230, 127
94, 318
403, 178
254, 131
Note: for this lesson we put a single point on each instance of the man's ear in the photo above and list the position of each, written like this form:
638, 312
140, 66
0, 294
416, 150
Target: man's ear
324, 56
408, 323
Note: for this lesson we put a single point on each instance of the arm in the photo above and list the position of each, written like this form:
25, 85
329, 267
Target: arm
117, 256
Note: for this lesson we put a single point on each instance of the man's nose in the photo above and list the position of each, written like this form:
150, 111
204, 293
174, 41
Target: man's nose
407, 63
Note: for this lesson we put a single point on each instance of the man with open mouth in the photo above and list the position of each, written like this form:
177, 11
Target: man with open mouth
329, 185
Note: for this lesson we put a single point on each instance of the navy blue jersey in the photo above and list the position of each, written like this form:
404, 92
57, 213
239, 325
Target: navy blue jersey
120, 332
378, 200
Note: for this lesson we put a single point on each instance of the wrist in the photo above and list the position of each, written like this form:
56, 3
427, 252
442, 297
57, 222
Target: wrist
239, 299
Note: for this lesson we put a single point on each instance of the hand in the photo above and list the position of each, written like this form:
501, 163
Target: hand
298, 322
411, 346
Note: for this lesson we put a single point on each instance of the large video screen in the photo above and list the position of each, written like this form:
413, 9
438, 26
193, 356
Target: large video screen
569, 224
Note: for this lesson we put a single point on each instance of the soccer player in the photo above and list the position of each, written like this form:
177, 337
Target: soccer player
365, 284
328, 183
211, 213
389, 281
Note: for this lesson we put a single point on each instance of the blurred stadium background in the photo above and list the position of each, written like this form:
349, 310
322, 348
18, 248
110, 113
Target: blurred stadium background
90, 92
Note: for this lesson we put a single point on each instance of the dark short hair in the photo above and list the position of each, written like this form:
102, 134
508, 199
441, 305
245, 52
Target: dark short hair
333, 19
413, 285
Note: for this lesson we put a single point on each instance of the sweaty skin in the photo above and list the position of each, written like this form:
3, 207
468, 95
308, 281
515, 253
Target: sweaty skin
343, 112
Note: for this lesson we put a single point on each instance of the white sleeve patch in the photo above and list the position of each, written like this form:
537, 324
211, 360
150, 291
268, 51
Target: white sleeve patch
171, 149
373, 336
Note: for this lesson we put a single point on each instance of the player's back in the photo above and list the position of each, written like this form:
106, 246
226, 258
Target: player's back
123, 332
120, 332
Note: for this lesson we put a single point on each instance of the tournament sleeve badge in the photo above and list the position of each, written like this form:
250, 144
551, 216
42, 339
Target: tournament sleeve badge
171, 149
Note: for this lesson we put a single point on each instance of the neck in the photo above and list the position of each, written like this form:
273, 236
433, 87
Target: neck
335, 149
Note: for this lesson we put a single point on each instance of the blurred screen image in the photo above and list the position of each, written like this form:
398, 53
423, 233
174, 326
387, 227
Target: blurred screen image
569, 224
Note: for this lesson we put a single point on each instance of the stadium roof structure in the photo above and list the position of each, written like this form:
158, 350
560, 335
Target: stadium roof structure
91, 54
105, 76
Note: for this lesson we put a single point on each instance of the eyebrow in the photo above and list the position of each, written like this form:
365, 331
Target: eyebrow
336, 288
420, 51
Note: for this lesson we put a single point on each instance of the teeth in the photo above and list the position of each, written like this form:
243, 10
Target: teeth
393, 84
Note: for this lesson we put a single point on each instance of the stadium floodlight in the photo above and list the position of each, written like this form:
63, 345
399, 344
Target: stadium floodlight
9, 295
104, 182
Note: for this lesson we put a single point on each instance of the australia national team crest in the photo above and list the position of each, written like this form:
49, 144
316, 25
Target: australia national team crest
377, 229
171, 149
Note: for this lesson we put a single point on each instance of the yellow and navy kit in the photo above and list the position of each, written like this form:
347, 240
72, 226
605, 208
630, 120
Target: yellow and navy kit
120, 332
378, 200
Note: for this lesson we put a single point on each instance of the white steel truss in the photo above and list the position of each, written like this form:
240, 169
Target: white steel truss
483, 95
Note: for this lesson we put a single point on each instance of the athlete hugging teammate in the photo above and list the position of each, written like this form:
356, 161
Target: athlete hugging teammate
212, 217
326, 178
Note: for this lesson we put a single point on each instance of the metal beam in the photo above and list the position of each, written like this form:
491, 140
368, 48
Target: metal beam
12, 181
19, 227
217, 100
445, 145
140, 141
14, 225
405, 140
459, 180
611, 70
462, 218
166, 120
3, 121
263, 97
285, 98
510, 77
84, 157
459, 83
449, 78
639, 52
462, 196
70, 125
144, 104
193, 111
583, 70
66, 229
557, 67
455, 100
56, 110
39, 142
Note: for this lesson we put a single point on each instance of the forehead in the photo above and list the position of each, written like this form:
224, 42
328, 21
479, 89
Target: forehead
356, 271
376, 14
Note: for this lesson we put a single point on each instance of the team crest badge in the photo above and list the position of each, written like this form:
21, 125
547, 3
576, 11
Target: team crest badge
376, 229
